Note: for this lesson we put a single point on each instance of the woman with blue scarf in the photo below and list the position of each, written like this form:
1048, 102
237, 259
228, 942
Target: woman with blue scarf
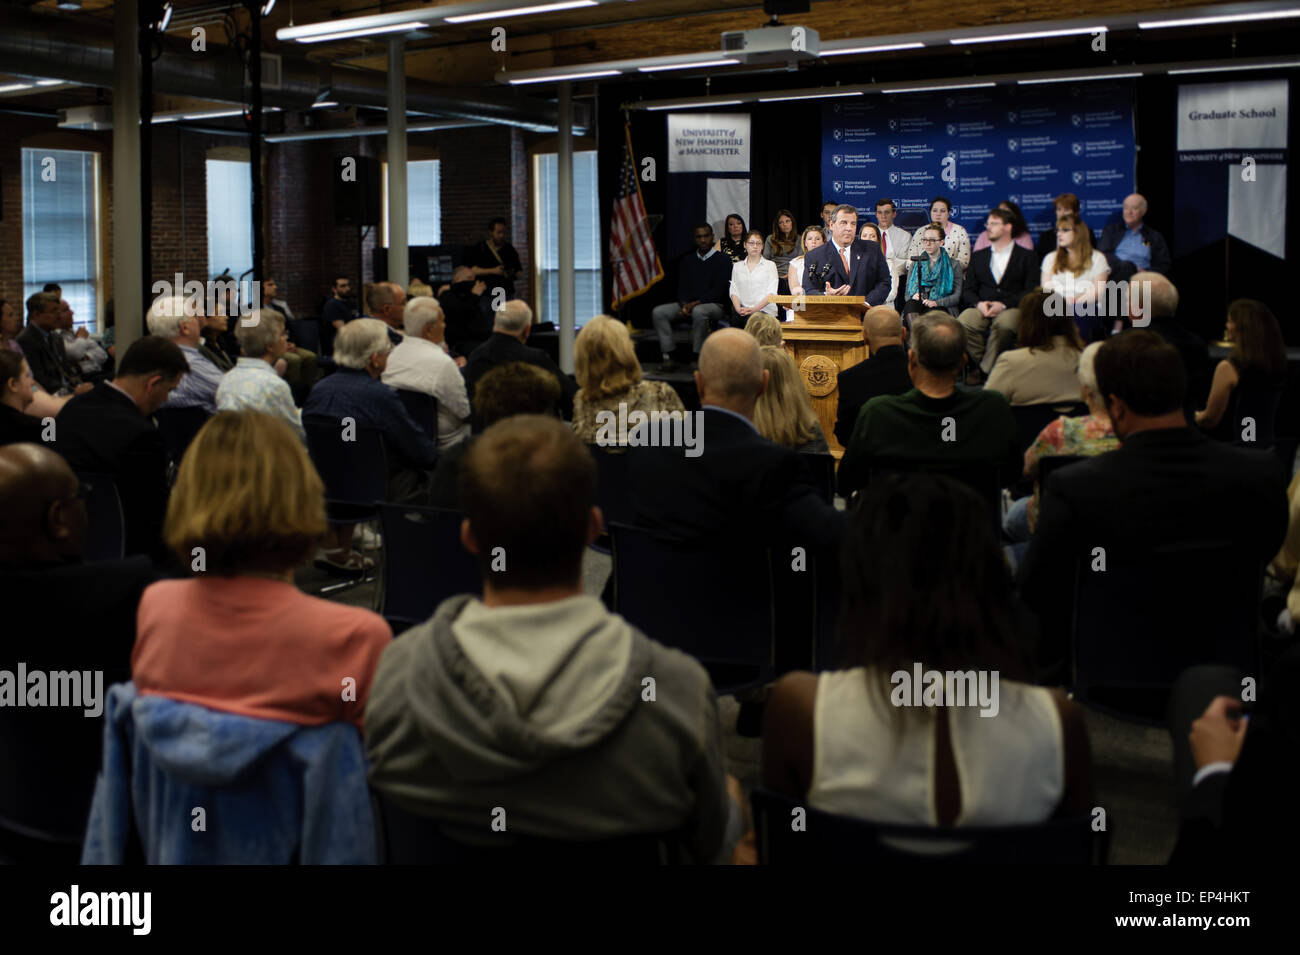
933, 283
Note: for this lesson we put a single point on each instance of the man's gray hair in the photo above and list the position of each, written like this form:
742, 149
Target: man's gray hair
383, 293
166, 313
513, 317
939, 342
1088, 368
851, 210
358, 340
1164, 296
420, 313
265, 328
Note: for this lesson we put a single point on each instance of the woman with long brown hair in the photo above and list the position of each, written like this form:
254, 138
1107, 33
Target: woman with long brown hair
1248, 383
782, 245
1076, 271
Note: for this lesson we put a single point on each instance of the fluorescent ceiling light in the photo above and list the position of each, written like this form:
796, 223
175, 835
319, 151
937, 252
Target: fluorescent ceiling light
1081, 79
720, 102
686, 66
521, 11
220, 114
15, 87
365, 31
935, 89
408, 19
1032, 35
872, 49
324, 104
778, 99
50, 82
1223, 18
565, 77
1233, 68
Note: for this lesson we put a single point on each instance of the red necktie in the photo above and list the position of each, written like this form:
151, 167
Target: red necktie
884, 243
844, 254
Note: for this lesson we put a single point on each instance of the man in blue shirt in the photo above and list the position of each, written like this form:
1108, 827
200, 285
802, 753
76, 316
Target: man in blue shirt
1132, 246
701, 295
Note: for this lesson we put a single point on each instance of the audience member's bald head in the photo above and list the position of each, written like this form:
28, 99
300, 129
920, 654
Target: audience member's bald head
513, 318
882, 326
731, 373
45, 521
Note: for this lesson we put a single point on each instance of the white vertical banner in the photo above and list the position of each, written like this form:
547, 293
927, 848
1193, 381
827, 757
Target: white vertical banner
724, 197
1257, 207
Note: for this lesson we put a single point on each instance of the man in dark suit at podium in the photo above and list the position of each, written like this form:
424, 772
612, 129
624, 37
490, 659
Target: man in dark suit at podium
847, 265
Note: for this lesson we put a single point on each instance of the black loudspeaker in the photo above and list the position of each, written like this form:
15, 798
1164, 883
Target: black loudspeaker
356, 190
777, 7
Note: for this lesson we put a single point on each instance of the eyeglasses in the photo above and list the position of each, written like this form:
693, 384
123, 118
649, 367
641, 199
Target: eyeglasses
930, 238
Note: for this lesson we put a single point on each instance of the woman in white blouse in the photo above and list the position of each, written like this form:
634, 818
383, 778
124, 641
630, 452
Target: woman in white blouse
956, 241
753, 281
812, 237
871, 232
1076, 272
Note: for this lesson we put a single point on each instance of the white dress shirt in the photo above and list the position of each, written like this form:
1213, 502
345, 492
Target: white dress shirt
418, 364
752, 287
896, 242
1069, 285
998, 261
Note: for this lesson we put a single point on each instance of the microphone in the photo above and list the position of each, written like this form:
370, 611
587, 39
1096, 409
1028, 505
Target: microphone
919, 258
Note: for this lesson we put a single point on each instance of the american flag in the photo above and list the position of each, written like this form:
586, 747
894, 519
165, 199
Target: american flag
641, 267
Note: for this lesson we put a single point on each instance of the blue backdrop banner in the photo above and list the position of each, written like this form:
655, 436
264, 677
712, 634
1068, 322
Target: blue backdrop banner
978, 147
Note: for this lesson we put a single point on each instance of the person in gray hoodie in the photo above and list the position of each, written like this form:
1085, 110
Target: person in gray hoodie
536, 709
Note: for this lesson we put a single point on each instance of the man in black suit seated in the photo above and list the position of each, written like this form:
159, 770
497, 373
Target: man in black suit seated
741, 487
883, 373
43, 347
1152, 296
63, 616
847, 265
110, 430
996, 280
1166, 483
510, 331
1133, 246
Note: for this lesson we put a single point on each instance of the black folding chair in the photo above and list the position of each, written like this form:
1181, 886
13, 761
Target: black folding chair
822, 466
1150, 614
1032, 419
353, 465
106, 527
423, 408
408, 838
790, 832
424, 563
612, 491
178, 427
1052, 463
713, 602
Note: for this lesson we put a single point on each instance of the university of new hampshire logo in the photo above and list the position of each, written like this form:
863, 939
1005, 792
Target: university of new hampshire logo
1077, 177
837, 159
1076, 119
1012, 116
893, 152
1015, 199
838, 185
1076, 148
1013, 172
952, 129
837, 133
893, 124
893, 178
1013, 144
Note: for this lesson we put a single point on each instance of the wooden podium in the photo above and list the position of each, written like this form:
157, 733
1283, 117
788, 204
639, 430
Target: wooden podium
825, 338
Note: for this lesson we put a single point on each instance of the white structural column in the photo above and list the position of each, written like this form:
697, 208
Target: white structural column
128, 296
564, 199
398, 253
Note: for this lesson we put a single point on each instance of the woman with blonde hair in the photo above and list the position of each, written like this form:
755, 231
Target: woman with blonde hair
609, 375
812, 237
784, 413
419, 288
765, 329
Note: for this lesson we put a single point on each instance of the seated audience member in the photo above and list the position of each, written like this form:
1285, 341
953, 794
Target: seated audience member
828, 216
1236, 772
1044, 365
514, 320
1076, 271
1018, 230
355, 391
110, 430
740, 487
418, 288
211, 345
784, 412
253, 385
1065, 203
732, 243
1285, 568
998, 277
883, 373
835, 739
813, 236
174, 318
421, 363
531, 698
1165, 484
894, 242
956, 240
11, 325
44, 349
753, 282
936, 282
237, 675
15, 398
1084, 436
1132, 245
386, 301
300, 364
80, 347
871, 233
782, 245
934, 422
1153, 298
765, 328
63, 615
43, 404
1247, 385
505, 391
468, 310
337, 311
703, 277
609, 379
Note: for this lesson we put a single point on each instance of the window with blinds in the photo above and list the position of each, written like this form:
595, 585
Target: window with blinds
230, 218
61, 227
586, 237
423, 203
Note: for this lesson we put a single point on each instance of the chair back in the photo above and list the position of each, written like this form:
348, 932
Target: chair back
1032, 419
981, 477
407, 838
423, 408
305, 333
711, 601
613, 494
1141, 618
790, 832
353, 464
1050, 464
178, 427
106, 526
822, 466
424, 562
